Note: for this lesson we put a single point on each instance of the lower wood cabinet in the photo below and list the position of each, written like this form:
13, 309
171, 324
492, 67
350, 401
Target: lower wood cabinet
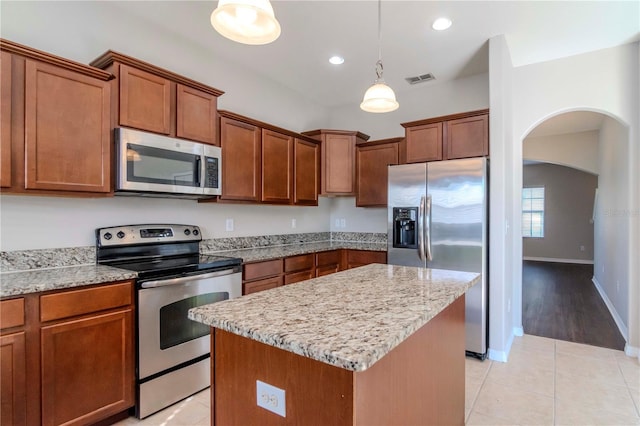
13, 385
259, 276
357, 258
328, 262
75, 349
13, 360
299, 268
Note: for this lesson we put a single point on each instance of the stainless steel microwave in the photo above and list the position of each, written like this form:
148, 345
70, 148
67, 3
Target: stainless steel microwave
150, 164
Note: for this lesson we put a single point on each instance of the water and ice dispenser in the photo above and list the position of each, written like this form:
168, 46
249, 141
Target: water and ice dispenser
405, 229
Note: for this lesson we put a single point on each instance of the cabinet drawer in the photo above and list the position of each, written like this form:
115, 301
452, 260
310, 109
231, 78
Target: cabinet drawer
11, 313
328, 257
299, 276
260, 285
254, 271
298, 263
327, 269
79, 302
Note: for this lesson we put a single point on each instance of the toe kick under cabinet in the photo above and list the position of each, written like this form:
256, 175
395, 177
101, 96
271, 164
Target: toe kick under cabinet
74, 349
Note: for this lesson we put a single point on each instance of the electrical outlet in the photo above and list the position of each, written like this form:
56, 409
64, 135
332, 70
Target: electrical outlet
337, 223
581, 248
617, 286
293, 223
271, 398
343, 223
229, 225
509, 305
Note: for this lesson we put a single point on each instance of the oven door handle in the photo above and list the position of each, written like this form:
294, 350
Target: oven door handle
181, 280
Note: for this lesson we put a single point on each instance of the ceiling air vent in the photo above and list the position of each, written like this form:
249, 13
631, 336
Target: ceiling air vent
420, 78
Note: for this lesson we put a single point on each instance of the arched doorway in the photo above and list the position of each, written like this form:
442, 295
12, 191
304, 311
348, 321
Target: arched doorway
597, 143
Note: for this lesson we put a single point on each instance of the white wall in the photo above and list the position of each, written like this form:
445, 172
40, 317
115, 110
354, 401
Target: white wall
357, 219
424, 100
611, 228
603, 81
47, 222
502, 228
578, 150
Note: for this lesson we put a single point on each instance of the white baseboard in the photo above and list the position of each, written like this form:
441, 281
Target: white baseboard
612, 310
554, 259
632, 351
501, 356
518, 331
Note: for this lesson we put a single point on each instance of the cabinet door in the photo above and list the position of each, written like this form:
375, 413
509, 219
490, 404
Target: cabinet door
196, 115
372, 173
306, 173
5, 119
13, 409
424, 143
277, 167
241, 160
67, 130
87, 368
467, 137
145, 100
338, 164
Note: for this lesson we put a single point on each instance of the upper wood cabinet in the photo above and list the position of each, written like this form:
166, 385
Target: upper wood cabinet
277, 167
445, 138
241, 160
145, 100
372, 161
306, 165
264, 163
467, 137
150, 98
424, 143
5, 119
56, 112
338, 166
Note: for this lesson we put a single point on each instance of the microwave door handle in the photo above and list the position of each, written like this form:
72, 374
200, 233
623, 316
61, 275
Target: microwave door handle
197, 172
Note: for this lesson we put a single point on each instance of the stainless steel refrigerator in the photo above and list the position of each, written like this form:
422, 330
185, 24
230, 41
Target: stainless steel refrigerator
438, 218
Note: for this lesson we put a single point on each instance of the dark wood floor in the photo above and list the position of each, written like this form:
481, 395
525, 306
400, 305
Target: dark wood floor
560, 301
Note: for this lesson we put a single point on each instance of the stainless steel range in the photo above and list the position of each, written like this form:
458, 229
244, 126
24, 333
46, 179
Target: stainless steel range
173, 358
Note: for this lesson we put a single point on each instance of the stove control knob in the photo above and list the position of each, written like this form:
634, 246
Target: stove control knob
187, 232
120, 235
107, 236
196, 232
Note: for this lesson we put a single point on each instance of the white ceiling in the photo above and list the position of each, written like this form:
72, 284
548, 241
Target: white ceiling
312, 31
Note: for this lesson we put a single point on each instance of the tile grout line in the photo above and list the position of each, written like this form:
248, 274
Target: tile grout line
629, 390
555, 375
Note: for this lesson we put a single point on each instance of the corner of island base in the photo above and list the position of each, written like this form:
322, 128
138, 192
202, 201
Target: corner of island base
420, 382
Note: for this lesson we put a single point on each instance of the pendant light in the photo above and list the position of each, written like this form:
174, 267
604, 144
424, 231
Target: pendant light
379, 97
246, 21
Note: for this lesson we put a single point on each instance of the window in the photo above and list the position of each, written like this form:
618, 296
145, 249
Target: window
533, 212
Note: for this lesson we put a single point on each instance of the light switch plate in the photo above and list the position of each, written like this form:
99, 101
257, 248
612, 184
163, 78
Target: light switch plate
271, 398
229, 225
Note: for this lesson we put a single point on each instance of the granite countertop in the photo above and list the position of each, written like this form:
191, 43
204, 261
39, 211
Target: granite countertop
275, 252
350, 319
33, 281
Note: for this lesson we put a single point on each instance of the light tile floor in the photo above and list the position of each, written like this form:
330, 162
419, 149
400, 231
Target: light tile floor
545, 382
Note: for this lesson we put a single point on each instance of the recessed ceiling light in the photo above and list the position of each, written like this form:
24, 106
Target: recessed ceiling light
441, 24
336, 60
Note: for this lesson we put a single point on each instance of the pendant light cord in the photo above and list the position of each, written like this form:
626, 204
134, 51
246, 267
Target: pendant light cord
379, 68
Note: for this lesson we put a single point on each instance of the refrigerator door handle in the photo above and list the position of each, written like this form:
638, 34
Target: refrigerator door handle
427, 228
421, 241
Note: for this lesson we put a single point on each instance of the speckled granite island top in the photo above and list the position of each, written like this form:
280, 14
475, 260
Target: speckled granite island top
37, 280
350, 319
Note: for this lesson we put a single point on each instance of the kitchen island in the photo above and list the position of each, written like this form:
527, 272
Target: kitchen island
379, 344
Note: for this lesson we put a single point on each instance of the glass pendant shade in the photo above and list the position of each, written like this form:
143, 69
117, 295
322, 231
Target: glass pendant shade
246, 21
379, 98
